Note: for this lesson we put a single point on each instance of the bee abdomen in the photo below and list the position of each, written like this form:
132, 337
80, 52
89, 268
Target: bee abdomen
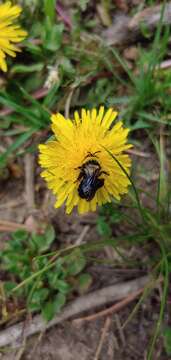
87, 190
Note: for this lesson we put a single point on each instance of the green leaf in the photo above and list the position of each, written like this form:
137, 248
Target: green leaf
84, 282
103, 227
52, 277
48, 311
43, 242
49, 235
75, 262
8, 286
32, 246
34, 307
140, 124
83, 4
59, 302
66, 66
5, 124
11, 258
38, 240
145, 30
63, 286
52, 307
56, 278
20, 235
52, 37
58, 265
40, 262
51, 98
167, 340
38, 297
49, 9
16, 246
25, 69
33, 49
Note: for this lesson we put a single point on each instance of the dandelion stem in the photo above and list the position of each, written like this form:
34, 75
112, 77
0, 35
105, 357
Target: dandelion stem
131, 181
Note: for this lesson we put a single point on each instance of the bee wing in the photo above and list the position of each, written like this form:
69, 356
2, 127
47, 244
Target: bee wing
90, 180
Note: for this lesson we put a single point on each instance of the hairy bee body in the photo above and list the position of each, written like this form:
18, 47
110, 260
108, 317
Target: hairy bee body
90, 181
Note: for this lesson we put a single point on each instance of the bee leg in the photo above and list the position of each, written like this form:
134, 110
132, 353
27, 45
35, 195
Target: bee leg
96, 152
81, 174
100, 183
103, 172
88, 155
92, 154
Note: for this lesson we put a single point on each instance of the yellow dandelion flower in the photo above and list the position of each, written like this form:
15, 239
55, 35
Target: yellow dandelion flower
78, 169
9, 32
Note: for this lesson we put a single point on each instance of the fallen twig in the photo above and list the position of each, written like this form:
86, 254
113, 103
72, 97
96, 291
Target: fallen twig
116, 307
29, 180
63, 15
11, 226
138, 153
12, 204
82, 235
120, 330
13, 334
102, 338
21, 350
67, 104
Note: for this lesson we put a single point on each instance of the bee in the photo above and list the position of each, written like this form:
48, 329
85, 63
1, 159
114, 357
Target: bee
89, 175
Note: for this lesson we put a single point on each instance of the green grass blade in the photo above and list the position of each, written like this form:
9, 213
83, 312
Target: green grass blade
132, 183
24, 111
15, 145
123, 64
163, 301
